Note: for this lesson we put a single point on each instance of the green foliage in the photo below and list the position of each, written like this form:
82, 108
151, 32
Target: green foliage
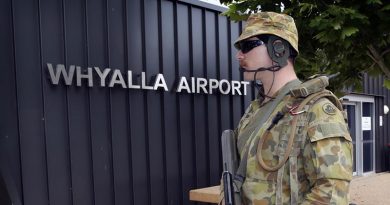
333, 35
386, 83
374, 2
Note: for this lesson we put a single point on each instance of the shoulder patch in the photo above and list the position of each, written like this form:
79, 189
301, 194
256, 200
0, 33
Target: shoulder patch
329, 108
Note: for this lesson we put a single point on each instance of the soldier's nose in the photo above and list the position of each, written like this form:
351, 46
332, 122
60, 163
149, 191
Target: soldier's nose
239, 55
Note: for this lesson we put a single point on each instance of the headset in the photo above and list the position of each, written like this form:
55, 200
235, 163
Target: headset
278, 50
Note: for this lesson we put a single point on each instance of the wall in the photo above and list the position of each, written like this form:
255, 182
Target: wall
81, 145
374, 86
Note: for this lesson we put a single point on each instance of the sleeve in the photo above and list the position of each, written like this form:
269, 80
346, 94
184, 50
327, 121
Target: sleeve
328, 156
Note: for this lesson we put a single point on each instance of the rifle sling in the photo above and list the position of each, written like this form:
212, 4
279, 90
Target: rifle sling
241, 170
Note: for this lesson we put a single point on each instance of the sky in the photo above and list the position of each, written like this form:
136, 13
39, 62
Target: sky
216, 2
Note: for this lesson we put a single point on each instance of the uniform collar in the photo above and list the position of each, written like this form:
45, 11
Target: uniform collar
282, 91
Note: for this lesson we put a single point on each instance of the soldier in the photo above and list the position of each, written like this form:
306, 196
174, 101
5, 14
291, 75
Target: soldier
293, 142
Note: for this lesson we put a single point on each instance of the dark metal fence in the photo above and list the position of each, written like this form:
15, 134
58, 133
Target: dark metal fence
92, 145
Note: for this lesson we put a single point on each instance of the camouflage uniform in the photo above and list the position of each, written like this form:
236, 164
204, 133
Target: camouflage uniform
321, 157
319, 168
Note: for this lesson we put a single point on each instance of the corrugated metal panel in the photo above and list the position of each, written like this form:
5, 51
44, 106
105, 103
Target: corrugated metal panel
81, 145
9, 121
374, 85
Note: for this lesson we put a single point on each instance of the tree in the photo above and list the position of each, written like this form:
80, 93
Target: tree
350, 36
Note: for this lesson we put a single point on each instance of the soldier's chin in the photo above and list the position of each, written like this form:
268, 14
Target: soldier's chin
243, 68
248, 76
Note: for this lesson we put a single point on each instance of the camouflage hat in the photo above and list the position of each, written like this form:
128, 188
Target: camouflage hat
273, 23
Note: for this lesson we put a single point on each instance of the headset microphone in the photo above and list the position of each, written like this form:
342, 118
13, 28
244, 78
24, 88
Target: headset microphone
273, 68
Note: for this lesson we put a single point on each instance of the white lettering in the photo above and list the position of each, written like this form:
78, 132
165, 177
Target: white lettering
117, 78
143, 80
160, 82
102, 75
130, 80
201, 83
236, 87
80, 76
213, 84
60, 69
227, 86
183, 84
245, 83
193, 84
198, 85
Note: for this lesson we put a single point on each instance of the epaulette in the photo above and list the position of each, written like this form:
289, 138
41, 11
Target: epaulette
311, 86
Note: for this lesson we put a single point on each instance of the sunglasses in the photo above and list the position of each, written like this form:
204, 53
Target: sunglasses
246, 46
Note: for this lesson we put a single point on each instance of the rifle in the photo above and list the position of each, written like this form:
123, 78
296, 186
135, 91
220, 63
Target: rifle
228, 190
230, 164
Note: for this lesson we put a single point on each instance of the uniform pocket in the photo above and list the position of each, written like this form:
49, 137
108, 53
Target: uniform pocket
324, 130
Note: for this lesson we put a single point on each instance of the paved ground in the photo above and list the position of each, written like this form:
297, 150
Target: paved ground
371, 190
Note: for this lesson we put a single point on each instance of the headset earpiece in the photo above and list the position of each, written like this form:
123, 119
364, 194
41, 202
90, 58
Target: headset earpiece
278, 50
